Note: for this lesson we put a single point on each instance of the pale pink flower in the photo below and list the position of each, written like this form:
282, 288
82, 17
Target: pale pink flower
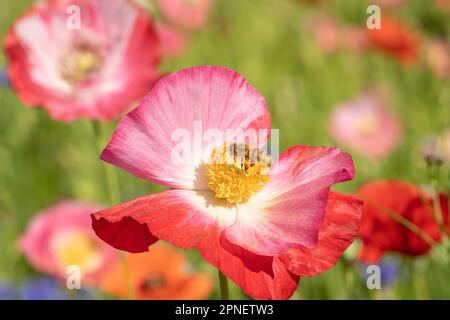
332, 36
353, 39
389, 3
438, 57
326, 32
190, 14
367, 126
443, 4
61, 236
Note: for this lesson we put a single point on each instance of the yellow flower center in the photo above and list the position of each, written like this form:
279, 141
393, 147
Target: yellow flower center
77, 66
78, 248
368, 124
237, 172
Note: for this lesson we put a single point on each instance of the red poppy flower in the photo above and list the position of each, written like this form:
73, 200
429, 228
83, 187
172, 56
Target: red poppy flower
396, 39
160, 274
261, 224
381, 231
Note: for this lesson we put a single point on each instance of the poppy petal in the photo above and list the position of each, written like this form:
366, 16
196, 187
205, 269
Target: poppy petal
337, 232
387, 201
289, 210
159, 274
262, 277
190, 219
170, 121
163, 215
125, 234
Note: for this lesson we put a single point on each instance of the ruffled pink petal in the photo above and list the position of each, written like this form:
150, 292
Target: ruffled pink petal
180, 108
336, 233
190, 219
289, 210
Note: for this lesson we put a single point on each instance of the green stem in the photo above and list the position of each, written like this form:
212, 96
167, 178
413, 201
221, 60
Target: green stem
223, 283
402, 220
113, 184
438, 211
114, 198
409, 225
110, 172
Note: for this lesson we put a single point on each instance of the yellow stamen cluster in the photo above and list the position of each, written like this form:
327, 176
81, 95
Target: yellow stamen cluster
78, 65
368, 124
235, 173
79, 249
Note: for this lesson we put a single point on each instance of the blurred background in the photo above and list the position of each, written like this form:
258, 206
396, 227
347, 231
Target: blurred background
308, 59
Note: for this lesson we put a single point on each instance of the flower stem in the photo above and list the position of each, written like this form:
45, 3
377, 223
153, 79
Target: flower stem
114, 199
110, 172
113, 184
438, 215
223, 283
403, 221
409, 225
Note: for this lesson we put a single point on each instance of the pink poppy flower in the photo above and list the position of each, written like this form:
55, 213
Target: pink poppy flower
173, 42
331, 35
262, 225
442, 4
327, 33
95, 71
353, 39
438, 57
190, 14
61, 236
389, 3
367, 126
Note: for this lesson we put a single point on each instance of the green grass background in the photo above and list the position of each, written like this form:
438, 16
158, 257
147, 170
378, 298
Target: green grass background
43, 161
